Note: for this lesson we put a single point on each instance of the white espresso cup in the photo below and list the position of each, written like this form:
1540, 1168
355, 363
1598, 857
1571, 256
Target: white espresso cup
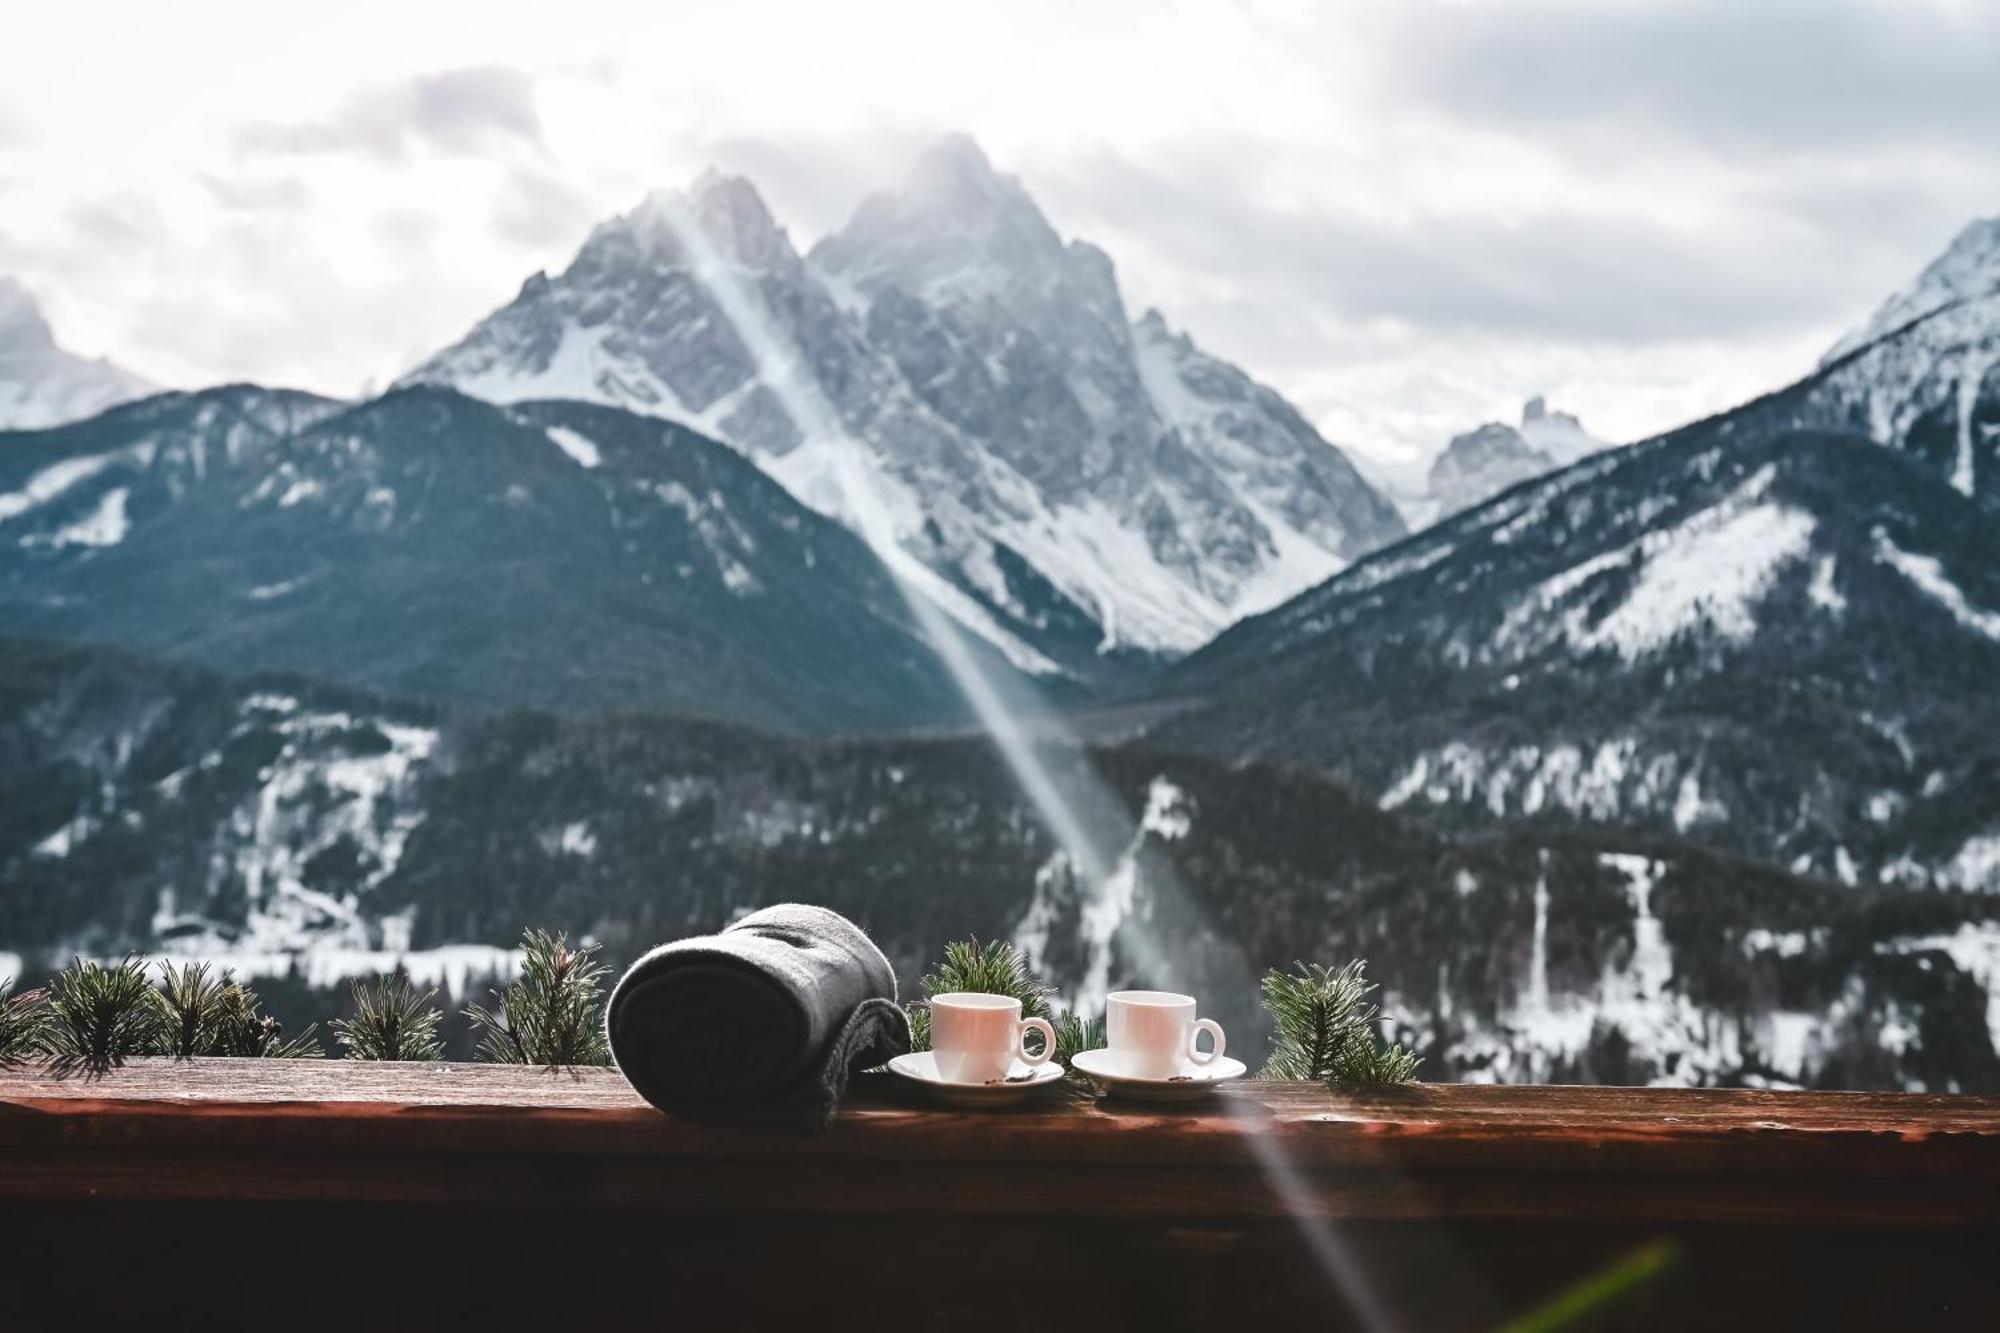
976, 1038
1151, 1033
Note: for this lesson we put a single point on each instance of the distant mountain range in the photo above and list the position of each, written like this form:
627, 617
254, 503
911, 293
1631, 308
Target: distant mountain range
303, 834
1678, 760
1096, 490
561, 555
1766, 630
40, 383
1488, 459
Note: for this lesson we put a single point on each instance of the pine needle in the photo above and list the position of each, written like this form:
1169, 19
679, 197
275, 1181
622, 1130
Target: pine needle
391, 1022
1326, 1029
553, 1014
1076, 1034
24, 1022
100, 1016
193, 1002
996, 968
216, 1015
244, 1031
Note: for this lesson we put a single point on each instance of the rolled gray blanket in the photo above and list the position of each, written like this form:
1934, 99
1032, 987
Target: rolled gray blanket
763, 1020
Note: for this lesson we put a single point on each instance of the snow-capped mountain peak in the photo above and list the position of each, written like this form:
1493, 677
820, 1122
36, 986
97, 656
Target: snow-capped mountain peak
1968, 270
40, 383
730, 215
1089, 489
1488, 459
22, 326
1558, 434
1923, 375
955, 175
954, 229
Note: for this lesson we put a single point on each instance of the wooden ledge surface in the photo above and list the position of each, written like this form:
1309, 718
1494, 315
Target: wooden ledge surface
363, 1132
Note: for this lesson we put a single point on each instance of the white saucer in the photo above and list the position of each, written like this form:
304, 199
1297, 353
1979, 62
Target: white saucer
1021, 1081
1192, 1082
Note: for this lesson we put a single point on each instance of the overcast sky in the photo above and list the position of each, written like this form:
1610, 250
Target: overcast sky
1406, 216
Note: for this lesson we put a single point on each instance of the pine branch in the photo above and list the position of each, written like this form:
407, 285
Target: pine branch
1075, 1034
99, 1016
193, 1002
553, 1014
1326, 1028
24, 1023
996, 968
242, 1030
217, 1015
391, 1022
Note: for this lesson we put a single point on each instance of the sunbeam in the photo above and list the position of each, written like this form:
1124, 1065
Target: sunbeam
860, 503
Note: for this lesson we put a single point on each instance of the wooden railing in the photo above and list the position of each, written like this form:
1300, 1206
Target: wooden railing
371, 1195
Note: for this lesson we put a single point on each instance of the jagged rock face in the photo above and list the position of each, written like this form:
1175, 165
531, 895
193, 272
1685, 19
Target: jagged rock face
1923, 375
282, 828
1090, 491
1779, 642
1486, 461
560, 555
1558, 434
1483, 462
40, 383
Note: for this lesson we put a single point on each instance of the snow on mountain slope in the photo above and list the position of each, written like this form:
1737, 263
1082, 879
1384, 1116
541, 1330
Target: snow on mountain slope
287, 829
560, 555
40, 383
1097, 490
1968, 270
1920, 376
1780, 642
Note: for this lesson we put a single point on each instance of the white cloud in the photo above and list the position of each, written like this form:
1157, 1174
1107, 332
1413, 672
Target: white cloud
1409, 216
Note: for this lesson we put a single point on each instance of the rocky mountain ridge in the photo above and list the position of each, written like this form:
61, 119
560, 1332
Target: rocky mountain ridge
949, 375
560, 555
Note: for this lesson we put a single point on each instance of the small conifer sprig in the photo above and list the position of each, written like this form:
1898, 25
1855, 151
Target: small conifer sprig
1076, 1034
392, 1021
553, 1013
24, 1022
1326, 1029
101, 1014
192, 997
992, 968
997, 968
208, 1014
243, 1030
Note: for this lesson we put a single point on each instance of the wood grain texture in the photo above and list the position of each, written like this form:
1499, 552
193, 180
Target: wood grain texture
358, 1132
441, 1191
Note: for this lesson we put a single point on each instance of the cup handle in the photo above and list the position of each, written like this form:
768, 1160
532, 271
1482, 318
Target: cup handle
1213, 1053
1048, 1041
